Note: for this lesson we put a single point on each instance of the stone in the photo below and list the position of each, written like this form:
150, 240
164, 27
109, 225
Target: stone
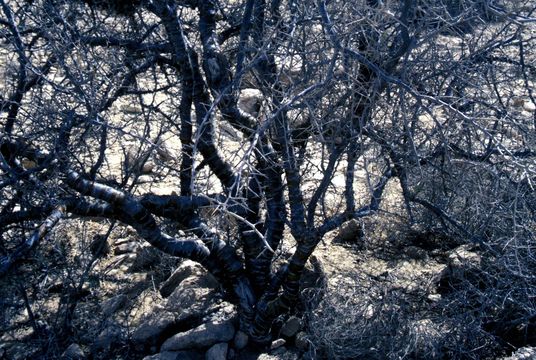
240, 340
529, 106
176, 355
186, 269
203, 336
301, 342
189, 301
28, 164
291, 327
73, 352
124, 248
217, 352
277, 343
351, 231
113, 304
524, 353
148, 167
250, 101
144, 179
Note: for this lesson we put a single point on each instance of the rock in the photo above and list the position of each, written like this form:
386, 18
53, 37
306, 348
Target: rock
73, 352
291, 327
200, 337
529, 106
280, 354
144, 179
301, 342
109, 336
176, 355
188, 302
113, 304
124, 248
524, 353
148, 167
518, 101
240, 340
250, 101
221, 312
153, 327
277, 344
28, 164
217, 352
146, 256
351, 231
186, 269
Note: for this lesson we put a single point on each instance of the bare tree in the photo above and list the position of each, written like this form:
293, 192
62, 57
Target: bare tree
434, 96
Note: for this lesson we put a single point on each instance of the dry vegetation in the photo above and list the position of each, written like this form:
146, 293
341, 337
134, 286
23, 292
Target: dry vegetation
391, 142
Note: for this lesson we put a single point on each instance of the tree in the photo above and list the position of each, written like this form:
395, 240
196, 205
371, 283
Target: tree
434, 96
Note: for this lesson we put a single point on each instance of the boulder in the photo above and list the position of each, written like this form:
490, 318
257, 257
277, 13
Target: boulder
188, 303
186, 269
176, 355
113, 304
203, 336
529, 106
217, 352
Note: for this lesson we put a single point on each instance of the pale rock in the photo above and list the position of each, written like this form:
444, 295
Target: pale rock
529, 106
250, 101
186, 269
144, 179
277, 343
125, 248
